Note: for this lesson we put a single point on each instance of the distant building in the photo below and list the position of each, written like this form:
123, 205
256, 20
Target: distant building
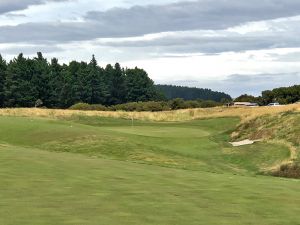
274, 104
245, 104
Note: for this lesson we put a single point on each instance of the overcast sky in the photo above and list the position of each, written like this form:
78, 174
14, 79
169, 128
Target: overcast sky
236, 46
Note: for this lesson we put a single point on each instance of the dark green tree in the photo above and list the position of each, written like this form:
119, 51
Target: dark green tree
56, 83
73, 86
41, 78
33, 82
283, 95
246, 98
19, 90
117, 85
268, 97
95, 86
188, 93
139, 86
65, 96
3, 68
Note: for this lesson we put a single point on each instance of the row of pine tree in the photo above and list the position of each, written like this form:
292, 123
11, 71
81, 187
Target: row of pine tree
24, 81
189, 93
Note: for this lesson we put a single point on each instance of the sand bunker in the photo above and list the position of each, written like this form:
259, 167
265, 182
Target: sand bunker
244, 142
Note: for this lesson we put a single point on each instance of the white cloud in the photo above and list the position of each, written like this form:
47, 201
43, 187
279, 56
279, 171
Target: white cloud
199, 42
217, 67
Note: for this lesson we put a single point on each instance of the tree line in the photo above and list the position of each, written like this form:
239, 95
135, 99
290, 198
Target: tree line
187, 93
26, 82
282, 95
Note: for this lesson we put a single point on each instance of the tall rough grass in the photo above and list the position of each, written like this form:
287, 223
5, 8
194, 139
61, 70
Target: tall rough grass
280, 128
178, 115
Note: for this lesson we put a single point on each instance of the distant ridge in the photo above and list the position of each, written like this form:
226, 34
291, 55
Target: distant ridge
188, 93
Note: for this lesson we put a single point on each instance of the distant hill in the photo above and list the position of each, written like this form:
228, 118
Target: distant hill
187, 93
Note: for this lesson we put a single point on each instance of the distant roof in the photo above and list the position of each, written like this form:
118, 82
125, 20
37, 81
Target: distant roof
245, 103
242, 103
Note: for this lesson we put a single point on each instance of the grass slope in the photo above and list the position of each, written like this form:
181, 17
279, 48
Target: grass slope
283, 128
41, 188
149, 173
195, 145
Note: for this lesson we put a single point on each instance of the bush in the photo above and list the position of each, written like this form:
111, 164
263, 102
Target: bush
155, 106
141, 106
177, 103
88, 107
288, 171
192, 104
132, 106
209, 104
147, 106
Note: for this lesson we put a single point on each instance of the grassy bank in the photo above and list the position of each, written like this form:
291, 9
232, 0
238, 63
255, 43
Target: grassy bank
72, 167
283, 128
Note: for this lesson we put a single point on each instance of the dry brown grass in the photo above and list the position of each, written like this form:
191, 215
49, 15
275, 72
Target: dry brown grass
179, 115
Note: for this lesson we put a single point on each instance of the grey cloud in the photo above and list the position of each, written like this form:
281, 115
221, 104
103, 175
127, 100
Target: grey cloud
193, 15
239, 84
15, 15
208, 45
140, 20
179, 45
14, 5
288, 57
220, 41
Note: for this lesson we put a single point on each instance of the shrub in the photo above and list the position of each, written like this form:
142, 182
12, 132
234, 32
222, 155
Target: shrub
155, 106
209, 104
141, 106
192, 104
288, 171
148, 106
177, 103
132, 106
88, 107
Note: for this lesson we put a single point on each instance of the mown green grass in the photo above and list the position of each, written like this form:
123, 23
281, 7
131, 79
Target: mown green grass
140, 173
40, 187
195, 145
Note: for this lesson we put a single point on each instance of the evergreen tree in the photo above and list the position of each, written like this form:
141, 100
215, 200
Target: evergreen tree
35, 82
73, 86
139, 86
19, 91
40, 79
187, 93
95, 84
66, 92
3, 68
117, 86
55, 84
